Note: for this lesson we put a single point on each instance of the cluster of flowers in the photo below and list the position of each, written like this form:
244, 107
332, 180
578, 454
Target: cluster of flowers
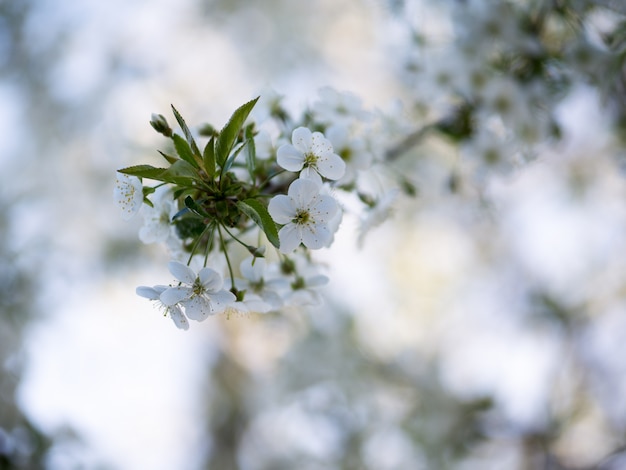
493, 85
264, 181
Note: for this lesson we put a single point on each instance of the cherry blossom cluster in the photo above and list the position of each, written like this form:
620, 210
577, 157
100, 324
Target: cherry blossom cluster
493, 83
248, 209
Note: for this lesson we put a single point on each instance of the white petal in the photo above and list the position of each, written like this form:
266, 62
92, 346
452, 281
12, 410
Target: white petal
302, 191
320, 145
304, 297
252, 272
289, 158
148, 292
222, 299
179, 318
311, 174
317, 281
333, 167
182, 272
274, 300
263, 145
156, 227
316, 236
338, 136
254, 303
173, 295
198, 308
210, 279
289, 238
325, 208
301, 139
238, 308
282, 209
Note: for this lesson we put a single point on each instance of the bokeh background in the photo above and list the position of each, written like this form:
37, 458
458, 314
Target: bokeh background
481, 326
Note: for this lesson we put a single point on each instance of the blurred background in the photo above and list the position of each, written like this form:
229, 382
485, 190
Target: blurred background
479, 327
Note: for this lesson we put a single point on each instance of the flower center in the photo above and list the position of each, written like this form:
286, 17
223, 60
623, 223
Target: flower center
310, 159
346, 154
302, 217
492, 156
298, 283
198, 288
502, 104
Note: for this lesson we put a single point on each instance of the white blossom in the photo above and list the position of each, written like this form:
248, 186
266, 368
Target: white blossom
201, 295
312, 154
174, 311
269, 102
305, 214
378, 213
256, 283
304, 291
352, 150
252, 303
489, 151
264, 147
158, 226
128, 194
338, 107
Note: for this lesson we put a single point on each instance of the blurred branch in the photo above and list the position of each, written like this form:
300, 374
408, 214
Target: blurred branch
408, 142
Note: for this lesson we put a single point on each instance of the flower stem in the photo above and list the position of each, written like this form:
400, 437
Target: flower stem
234, 237
208, 246
269, 178
230, 268
197, 242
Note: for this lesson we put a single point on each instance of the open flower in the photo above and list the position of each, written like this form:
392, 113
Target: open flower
305, 282
201, 296
379, 212
255, 282
264, 147
157, 226
128, 193
305, 214
251, 303
313, 154
174, 311
353, 151
338, 107
305, 291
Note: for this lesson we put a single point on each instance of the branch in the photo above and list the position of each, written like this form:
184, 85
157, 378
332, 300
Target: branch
408, 142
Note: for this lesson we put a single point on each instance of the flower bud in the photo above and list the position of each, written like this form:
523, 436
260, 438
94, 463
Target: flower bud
207, 130
159, 123
257, 252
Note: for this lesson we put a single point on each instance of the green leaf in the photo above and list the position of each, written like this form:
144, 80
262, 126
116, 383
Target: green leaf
258, 212
209, 158
187, 132
195, 207
181, 173
169, 158
183, 150
144, 171
183, 191
180, 213
228, 135
189, 227
147, 190
250, 152
231, 159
